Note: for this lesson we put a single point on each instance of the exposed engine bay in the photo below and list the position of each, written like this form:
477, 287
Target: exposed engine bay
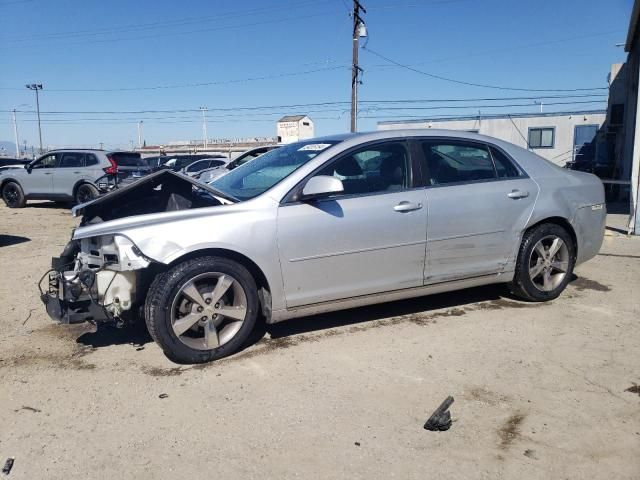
96, 279
163, 191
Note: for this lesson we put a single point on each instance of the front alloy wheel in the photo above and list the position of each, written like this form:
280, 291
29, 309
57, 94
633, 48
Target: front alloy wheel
202, 309
208, 310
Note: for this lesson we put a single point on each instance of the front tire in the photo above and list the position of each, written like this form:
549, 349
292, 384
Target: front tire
545, 263
202, 309
85, 193
13, 195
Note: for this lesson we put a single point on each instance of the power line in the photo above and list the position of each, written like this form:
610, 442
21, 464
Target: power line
189, 32
368, 103
274, 115
472, 84
190, 85
160, 24
316, 104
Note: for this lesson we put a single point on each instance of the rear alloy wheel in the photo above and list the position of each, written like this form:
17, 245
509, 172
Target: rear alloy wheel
202, 309
86, 193
13, 195
545, 263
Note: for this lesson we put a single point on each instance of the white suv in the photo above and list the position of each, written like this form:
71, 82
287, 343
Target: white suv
70, 175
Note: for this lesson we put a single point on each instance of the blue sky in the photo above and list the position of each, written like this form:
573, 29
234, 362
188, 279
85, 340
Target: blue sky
277, 52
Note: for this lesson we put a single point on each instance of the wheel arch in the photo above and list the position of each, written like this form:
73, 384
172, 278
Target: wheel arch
264, 289
4, 181
561, 222
78, 184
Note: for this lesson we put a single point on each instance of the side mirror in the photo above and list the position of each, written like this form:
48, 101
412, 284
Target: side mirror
321, 186
27, 167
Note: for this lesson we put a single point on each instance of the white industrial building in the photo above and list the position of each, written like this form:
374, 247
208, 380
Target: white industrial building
293, 128
558, 137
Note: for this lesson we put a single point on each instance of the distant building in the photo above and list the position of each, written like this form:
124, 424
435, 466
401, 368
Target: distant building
558, 137
292, 128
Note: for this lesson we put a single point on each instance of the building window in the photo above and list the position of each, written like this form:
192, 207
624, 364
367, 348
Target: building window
542, 137
306, 124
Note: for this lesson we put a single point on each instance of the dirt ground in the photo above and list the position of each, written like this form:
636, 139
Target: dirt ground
541, 391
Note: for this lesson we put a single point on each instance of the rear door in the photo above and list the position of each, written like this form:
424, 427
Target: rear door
68, 172
478, 202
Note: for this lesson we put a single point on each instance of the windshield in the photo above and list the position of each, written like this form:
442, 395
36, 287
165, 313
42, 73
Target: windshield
259, 175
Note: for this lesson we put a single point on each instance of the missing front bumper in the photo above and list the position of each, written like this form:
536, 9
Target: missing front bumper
65, 306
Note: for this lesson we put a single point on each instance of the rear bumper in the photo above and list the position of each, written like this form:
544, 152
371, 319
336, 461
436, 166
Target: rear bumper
589, 225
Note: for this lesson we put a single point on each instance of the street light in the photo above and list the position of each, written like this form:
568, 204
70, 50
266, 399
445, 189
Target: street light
36, 87
140, 133
204, 125
15, 128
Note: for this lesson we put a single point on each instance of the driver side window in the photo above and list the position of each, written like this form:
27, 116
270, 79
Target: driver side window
376, 168
48, 161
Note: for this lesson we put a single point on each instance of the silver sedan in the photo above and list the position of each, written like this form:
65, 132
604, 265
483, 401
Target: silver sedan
323, 225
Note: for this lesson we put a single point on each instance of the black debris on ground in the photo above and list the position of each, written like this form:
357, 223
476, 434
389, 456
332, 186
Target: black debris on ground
440, 420
8, 465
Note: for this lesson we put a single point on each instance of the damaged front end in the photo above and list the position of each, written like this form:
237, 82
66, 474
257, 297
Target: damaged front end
94, 280
102, 277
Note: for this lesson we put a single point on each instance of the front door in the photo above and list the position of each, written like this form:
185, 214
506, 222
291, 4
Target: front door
368, 239
39, 181
478, 203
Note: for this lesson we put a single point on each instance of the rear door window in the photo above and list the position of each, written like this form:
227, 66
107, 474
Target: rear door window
90, 159
71, 160
457, 162
504, 167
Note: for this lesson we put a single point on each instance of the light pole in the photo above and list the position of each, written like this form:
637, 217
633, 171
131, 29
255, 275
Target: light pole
204, 125
359, 30
15, 128
140, 133
36, 87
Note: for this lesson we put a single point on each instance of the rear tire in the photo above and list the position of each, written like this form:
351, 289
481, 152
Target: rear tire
13, 195
85, 193
545, 263
202, 309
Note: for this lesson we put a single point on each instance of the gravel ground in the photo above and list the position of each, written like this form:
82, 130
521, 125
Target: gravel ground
541, 391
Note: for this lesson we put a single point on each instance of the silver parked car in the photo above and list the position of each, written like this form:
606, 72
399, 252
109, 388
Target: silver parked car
78, 175
322, 225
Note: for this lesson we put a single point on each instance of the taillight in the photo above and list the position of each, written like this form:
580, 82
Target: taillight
113, 169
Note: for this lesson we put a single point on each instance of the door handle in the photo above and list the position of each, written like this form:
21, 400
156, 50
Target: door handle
77, 172
47, 173
407, 207
517, 194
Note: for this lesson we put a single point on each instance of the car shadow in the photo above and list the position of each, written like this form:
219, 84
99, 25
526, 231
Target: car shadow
136, 333
8, 240
399, 308
107, 334
50, 205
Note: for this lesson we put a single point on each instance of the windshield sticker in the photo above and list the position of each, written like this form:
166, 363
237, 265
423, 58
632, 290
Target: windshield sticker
314, 147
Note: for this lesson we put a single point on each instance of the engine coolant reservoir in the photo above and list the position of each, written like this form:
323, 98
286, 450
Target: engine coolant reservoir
116, 290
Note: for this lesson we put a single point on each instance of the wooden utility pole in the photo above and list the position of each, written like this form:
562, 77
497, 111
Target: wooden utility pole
355, 71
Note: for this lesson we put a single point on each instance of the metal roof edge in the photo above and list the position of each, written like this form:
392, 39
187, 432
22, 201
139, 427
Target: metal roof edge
493, 116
